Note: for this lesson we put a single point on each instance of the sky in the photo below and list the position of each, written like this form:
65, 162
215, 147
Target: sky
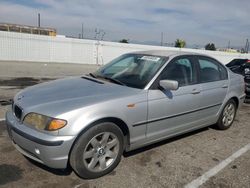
198, 22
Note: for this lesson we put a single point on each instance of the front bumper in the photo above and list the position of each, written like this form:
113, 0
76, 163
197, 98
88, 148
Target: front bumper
49, 150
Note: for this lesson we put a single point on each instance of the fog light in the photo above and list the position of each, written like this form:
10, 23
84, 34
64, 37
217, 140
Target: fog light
37, 151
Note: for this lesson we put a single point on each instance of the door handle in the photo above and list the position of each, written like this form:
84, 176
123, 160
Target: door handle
195, 91
225, 86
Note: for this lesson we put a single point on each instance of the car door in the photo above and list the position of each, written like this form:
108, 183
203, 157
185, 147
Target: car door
214, 87
170, 112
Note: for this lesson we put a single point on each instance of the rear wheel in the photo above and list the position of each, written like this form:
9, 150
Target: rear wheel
227, 115
98, 151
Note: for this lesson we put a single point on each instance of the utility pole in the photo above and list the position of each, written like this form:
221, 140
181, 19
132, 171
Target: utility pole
82, 30
228, 47
103, 33
39, 20
161, 38
97, 32
247, 46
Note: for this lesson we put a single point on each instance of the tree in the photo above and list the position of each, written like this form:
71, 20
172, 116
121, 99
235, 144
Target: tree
210, 46
124, 41
179, 43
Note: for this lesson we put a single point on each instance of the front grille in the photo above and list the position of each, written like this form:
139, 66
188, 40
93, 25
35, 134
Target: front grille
17, 112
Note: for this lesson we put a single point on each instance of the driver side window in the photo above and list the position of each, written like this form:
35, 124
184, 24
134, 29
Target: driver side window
181, 70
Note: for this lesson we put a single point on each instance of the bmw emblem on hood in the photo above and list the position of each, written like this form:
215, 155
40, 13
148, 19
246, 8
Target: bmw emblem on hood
20, 97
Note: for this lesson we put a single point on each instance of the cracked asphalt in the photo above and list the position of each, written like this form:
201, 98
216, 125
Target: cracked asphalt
171, 163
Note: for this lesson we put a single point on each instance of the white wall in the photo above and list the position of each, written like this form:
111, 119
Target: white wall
35, 48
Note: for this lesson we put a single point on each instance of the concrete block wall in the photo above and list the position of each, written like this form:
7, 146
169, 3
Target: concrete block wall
36, 48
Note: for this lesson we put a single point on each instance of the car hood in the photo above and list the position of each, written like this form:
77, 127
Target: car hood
70, 93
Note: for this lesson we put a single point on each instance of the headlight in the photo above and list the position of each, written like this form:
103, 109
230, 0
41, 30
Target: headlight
43, 122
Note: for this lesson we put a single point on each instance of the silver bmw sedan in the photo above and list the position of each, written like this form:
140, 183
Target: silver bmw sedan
137, 99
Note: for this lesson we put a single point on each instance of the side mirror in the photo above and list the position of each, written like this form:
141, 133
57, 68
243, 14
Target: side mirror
169, 84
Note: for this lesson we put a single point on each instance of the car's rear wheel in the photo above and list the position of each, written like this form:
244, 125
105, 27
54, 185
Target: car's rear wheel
227, 115
98, 151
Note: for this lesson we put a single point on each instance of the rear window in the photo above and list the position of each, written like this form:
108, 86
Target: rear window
236, 62
211, 70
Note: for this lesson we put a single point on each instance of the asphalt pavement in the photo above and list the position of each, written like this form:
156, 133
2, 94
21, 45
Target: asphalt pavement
175, 162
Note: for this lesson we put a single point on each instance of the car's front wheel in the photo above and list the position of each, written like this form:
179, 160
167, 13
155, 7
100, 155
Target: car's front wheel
227, 115
98, 151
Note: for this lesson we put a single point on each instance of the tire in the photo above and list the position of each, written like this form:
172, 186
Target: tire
227, 115
97, 151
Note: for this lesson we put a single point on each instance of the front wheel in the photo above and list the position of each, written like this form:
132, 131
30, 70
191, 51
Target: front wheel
98, 151
227, 115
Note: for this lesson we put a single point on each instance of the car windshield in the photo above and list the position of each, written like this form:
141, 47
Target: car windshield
132, 70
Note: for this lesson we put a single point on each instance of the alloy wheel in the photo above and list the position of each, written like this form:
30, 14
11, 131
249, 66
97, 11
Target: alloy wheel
101, 151
228, 114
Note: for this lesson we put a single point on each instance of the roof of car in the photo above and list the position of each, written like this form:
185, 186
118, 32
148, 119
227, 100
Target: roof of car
166, 53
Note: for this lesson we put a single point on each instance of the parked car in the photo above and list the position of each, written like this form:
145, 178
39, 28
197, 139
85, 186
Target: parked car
242, 66
137, 99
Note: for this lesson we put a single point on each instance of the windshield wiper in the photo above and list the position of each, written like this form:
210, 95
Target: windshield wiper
113, 80
107, 78
92, 75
